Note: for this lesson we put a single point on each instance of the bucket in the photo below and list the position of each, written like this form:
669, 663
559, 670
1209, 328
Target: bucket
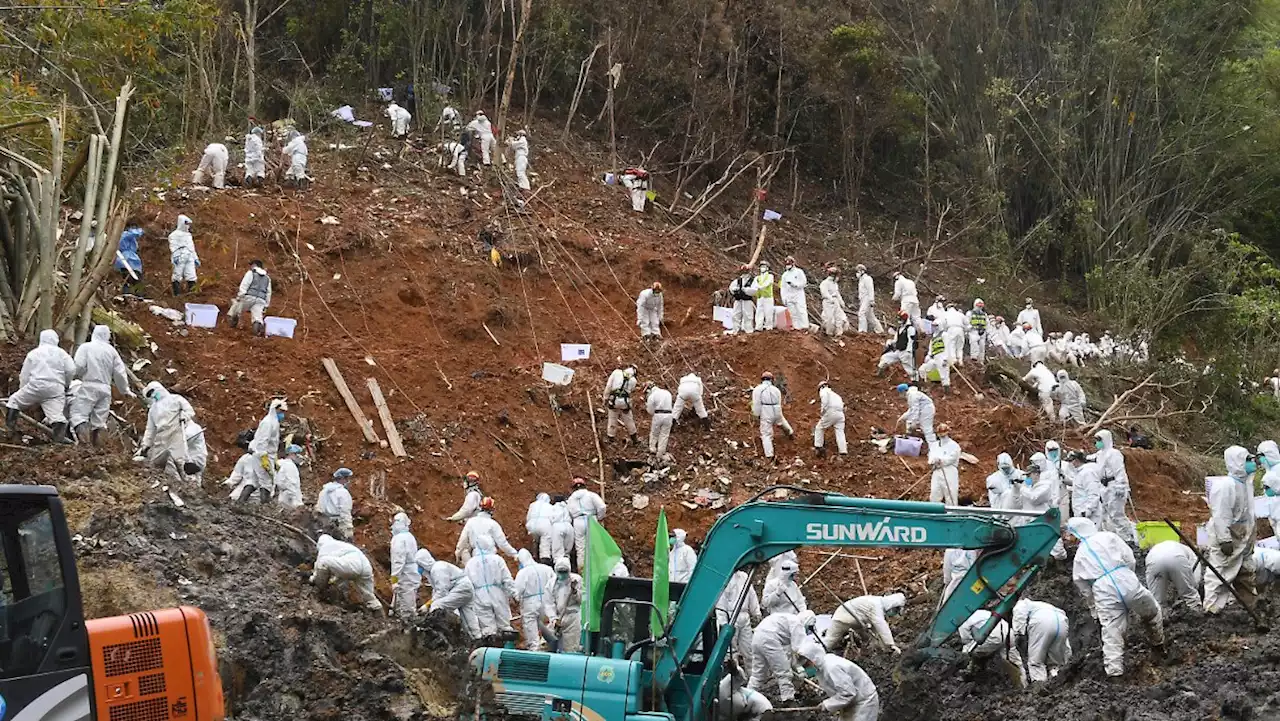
906, 446
202, 315
1152, 532
282, 327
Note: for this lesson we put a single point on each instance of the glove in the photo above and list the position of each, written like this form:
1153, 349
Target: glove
266, 463
1226, 548
197, 262
395, 580
1106, 481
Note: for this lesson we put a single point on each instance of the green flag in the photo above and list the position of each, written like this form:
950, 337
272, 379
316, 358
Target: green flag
602, 555
661, 577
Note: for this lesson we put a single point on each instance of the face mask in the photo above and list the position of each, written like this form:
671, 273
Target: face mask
1266, 463
562, 574
1053, 455
1250, 467
1007, 471
1097, 444
279, 416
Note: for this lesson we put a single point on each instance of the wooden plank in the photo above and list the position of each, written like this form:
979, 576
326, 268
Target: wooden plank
365, 425
389, 425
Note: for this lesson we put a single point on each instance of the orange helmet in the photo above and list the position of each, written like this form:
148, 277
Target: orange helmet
473, 476
486, 503
578, 481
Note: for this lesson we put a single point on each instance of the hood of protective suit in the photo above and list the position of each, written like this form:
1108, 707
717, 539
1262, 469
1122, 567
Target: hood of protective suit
485, 545
1063, 376
812, 651
893, 602
1039, 461
562, 565
155, 391
807, 619
1108, 442
680, 535
400, 523
1270, 451
424, 559
524, 558
1081, 527
1052, 446
184, 223
543, 498
1004, 462
326, 544
102, 334
48, 337
1235, 458
787, 568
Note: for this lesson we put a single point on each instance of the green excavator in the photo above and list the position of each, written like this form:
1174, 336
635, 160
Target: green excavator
627, 675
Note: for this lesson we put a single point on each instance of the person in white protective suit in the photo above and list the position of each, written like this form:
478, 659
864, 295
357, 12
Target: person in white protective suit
341, 562
749, 613
1269, 457
483, 131
451, 591
764, 282
938, 312
533, 585
1030, 316
266, 445
777, 562
998, 338
255, 162
566, 607
1053, 470
944, 459
636, 181
937, 360
1266, 562
295, 153
450, 119
831, 406
46, 374
738, 702
241, 474
520, 150
334, 502
213, 163
851, 695
1003, 492
471, 497
782, 592
901, 349
1173, 575
1086, 488
1114, 492
792, 295
1044, 382
835, 320
453, 155
865, 618
867, 302
1232, 532
766, 405
164, 443
1034, 347
689, 393
494, 588
1037, 496
953, 335
956, 562
649, 311
479, 528
904, 291
1071, 397
742, 291
197, 453
253, 296
919, 413
681, 559
620, 569
1103, 573
773, 647
537, 523
1046, 630
562, 535
98, 366
976, 323
998, 645
617, 398
288, 480
583, 504
405, 577
182, 254
399, 120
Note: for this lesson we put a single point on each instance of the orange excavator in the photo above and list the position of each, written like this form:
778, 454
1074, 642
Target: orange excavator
56, 666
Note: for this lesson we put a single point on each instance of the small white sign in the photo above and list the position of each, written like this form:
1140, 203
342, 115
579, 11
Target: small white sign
724, 315
557, 374
575, 351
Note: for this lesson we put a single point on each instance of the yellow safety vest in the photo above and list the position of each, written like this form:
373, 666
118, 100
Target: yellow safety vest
764, 286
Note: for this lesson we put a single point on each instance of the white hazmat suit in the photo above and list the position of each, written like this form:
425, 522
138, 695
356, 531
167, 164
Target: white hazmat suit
338, 561
766, 318
748, 613
405, 577
681, 559
213, 163
904, 291
1047, 634
649, 312
494, 588
98, 366
689, 393
483, 130
944, 459
659, 405
255, 164
566, 594
617, 398
295, 152
1115, 489
865, 618
451, 591
399, 120
334, 502
851, 695
164, 444
537, 523
999, 643
919, 414
182, 253
766, 405
832, 416
46, 373
1172, 574
584, 504
479, 528
520, 150
867, 304
773, 647
1231, 533
782, 592
742, 292
835, 320
792, 294
533, 585
1072, 399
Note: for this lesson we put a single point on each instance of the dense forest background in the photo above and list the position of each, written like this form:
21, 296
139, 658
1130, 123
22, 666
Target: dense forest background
1125, 151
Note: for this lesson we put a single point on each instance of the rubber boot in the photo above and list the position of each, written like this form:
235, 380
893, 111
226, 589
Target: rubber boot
177, 288
259, 328
60, 434
706, 423
233, 320
264, 495
189, 287
246, 494
95, 437
635, 440
82, 432
820, 451
946, 391
11, 419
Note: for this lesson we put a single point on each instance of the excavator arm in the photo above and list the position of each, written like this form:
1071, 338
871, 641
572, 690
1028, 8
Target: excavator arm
755, 532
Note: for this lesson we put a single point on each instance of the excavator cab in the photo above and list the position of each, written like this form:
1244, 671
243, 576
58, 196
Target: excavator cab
624, 624
153, 666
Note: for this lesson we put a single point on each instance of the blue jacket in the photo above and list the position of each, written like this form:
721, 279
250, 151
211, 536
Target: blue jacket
129, 249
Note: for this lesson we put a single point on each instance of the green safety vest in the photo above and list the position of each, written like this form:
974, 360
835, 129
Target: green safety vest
936, 346
764, 286
978, 320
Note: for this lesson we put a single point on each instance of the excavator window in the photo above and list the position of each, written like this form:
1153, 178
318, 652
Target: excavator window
33, 600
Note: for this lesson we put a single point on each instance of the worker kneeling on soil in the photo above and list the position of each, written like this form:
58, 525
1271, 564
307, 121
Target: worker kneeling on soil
999, 644
864, 617
338, 561
451, 591
737, 702
851, 695
1103, 572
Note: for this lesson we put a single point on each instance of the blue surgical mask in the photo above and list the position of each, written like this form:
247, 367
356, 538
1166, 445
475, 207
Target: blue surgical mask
1250, 467
1097, 444
1053, 456
1266, 462
279, 415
